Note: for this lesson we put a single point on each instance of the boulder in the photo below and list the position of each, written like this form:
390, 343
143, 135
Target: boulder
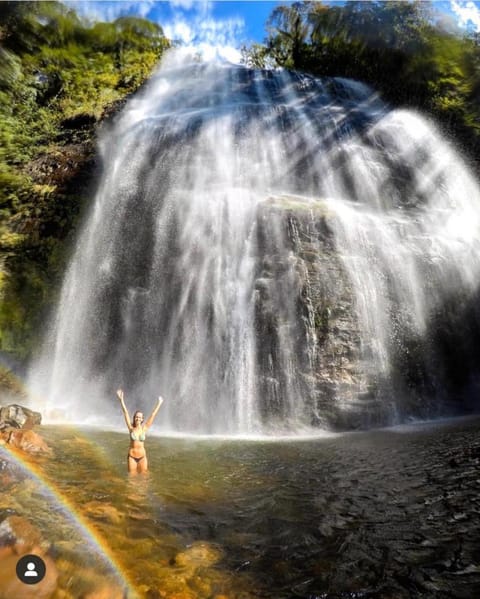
27, 440
17, 416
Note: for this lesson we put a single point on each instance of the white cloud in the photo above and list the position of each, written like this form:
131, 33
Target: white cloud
206, 36
110, 10
179, 30
466, 12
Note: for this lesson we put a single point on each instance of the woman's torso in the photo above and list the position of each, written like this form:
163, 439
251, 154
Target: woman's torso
137, 438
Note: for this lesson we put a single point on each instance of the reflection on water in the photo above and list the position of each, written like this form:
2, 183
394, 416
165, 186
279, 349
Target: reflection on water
378, 514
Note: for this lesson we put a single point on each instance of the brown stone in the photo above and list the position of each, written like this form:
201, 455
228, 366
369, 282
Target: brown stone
103, 511
198, 555
27, 440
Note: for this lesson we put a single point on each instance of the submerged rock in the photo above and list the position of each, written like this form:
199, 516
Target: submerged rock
198, 555
105, 512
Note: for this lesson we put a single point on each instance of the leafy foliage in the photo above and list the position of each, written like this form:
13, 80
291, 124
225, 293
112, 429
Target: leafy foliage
398, 47
58, 77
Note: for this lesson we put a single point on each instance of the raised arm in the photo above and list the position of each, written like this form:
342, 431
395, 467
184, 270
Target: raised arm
151, 418
128, 421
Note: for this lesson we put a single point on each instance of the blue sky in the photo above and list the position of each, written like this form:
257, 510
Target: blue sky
230, 23
240, 21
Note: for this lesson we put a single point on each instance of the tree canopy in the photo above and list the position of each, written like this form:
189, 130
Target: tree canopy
401, 48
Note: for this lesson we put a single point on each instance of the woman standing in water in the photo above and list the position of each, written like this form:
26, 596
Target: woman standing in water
137, 457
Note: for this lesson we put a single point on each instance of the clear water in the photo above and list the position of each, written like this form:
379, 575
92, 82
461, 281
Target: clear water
381, 514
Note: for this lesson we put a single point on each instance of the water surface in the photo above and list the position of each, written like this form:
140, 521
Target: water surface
391, 513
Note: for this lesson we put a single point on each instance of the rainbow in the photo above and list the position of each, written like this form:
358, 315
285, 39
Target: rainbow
80, 523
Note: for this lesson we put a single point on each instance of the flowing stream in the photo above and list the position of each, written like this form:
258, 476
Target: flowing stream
273, 253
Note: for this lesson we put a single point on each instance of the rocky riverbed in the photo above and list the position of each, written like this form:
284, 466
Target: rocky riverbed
391, 513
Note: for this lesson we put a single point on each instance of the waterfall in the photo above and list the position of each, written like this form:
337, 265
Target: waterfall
272, 253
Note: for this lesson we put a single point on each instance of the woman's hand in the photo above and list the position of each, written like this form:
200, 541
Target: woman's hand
160, 400
120, 394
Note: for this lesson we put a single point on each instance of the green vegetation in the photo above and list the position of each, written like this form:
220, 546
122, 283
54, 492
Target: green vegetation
401, 48
59, 76
10, 386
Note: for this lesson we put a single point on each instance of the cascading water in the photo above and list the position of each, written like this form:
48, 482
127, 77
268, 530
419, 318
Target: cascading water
271, 252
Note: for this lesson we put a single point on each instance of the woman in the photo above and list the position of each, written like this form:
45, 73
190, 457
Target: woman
137, 458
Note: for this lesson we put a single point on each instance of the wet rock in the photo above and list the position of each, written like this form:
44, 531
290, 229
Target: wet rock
9, 471
326, 339
26, 440
16, 416
104, 511
198, 555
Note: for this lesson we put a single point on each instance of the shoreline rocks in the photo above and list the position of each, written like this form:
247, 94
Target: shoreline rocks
26, 440
17, 416
16, 429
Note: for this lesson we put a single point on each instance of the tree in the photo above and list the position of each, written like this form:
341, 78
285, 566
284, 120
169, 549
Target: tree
289, 31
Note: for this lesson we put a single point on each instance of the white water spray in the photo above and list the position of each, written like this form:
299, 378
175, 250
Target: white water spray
185, 283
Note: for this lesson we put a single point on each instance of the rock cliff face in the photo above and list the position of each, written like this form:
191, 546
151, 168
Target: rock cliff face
276, 253
325, 363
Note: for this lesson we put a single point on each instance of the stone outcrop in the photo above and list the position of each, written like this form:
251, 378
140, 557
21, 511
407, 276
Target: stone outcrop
26, 440
16, 416
313, 347
324, 334
16, 424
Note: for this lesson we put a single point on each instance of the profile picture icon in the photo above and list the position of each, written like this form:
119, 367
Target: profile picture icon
31, 569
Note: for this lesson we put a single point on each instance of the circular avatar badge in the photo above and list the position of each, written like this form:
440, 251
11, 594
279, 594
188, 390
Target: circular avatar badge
31, 569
